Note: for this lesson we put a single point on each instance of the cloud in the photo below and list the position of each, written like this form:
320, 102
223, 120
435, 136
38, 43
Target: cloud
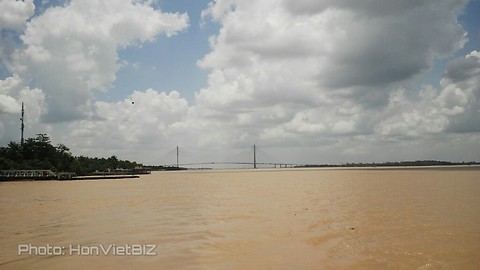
13, 19
325, 67
334, 76
142, 123
13, 91
341, 43
408, 118
452, 109
15, 13
8, 104
70, 51
464, 69
460, 96
314, 81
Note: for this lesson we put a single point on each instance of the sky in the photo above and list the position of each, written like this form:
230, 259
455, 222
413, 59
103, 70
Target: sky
306, 81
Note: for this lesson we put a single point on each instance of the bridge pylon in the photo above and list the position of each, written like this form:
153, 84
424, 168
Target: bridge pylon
254, 157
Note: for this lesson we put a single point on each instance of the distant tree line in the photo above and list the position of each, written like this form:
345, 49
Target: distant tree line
395, 164
165, 168
39, 154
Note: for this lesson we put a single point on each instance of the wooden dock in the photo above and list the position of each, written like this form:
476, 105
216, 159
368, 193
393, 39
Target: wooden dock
18, 175
103, 177
44, 175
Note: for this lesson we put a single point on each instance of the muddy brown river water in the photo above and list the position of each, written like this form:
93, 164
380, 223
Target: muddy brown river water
246, 219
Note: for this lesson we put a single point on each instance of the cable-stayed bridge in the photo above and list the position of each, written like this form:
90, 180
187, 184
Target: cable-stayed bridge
253, 157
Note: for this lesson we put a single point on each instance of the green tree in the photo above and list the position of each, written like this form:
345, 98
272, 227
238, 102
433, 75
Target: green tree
112, 162
39, 153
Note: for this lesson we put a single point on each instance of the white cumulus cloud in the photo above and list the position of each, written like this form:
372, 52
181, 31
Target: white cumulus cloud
15, 13
71, 50
142, 123
331, 67
322, 81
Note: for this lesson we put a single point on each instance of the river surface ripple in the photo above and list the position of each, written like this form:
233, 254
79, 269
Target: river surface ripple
250, 219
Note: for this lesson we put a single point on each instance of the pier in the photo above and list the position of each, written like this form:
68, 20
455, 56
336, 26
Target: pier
16, 175
41, 175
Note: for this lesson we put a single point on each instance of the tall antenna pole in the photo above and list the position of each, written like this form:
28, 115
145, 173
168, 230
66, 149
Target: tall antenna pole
177, 156
254, 157
23, 125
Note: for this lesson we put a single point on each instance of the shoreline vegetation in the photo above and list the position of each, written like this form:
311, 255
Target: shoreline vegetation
416, 163
38, 159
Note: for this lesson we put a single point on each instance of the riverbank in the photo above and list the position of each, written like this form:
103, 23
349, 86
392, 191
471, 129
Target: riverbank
48, 175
